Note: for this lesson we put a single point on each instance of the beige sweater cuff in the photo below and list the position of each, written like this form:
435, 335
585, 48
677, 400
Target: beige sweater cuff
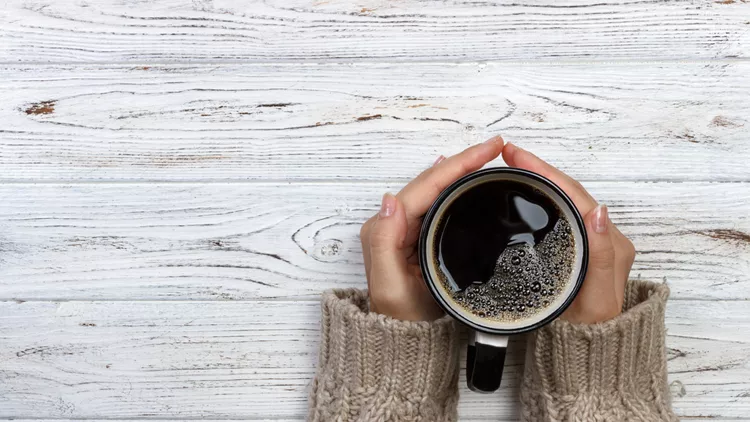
372, 367
613, 371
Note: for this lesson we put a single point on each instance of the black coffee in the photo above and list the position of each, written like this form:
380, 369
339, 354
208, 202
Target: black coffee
504, 249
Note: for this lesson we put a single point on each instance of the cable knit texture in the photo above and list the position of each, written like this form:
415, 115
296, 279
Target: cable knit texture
374, 368
613, 371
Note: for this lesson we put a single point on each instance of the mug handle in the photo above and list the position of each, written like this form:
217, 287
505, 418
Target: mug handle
485, 359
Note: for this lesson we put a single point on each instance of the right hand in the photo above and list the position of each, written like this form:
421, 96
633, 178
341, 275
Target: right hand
611, 254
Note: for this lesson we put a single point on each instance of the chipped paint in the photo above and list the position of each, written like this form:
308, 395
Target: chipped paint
724, 122
727, 235
372, 117
44, 107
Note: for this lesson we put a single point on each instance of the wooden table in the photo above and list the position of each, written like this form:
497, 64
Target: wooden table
181, 180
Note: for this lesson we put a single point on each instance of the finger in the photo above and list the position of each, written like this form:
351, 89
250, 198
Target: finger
518, 157
388, 267
364, 238
624, 257
599, 286
421, 192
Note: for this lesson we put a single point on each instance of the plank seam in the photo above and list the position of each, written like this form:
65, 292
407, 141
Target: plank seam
270, 182
312, 299
366, 62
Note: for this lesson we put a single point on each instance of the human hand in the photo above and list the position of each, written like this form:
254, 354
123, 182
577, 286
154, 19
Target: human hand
611, 254
389, 239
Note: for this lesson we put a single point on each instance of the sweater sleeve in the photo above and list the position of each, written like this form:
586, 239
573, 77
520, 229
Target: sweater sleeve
375, 368
613, 371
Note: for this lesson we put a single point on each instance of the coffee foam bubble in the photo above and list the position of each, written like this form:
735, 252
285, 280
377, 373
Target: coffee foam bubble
527, 278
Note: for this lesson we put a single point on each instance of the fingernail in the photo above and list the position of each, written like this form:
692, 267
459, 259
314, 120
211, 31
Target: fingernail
388, 206
509, 151
439, 159
601, 219
513, 147
494, 140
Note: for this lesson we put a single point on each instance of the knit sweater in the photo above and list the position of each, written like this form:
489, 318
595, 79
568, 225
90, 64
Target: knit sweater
374, 368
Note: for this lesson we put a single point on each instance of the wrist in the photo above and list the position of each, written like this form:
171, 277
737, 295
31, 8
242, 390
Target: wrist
408, 312
592, 313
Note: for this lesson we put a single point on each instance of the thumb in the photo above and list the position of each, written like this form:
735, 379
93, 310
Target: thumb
598, 290
601, 249
388, 266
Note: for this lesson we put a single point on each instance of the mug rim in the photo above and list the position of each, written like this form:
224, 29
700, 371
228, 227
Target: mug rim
428, 279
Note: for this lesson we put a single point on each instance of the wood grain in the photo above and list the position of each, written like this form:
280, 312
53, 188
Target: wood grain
240, 241
369, 122
256, 359
182, 179
368, 30
688, 418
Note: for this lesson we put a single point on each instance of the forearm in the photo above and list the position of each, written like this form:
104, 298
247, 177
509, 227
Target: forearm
613, 371
372, 367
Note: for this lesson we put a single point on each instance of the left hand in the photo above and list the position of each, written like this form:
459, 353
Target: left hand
389, 239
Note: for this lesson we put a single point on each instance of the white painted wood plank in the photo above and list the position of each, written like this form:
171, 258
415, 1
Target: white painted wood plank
692, 419
256, 359
365, 30
370, 122
239, 241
